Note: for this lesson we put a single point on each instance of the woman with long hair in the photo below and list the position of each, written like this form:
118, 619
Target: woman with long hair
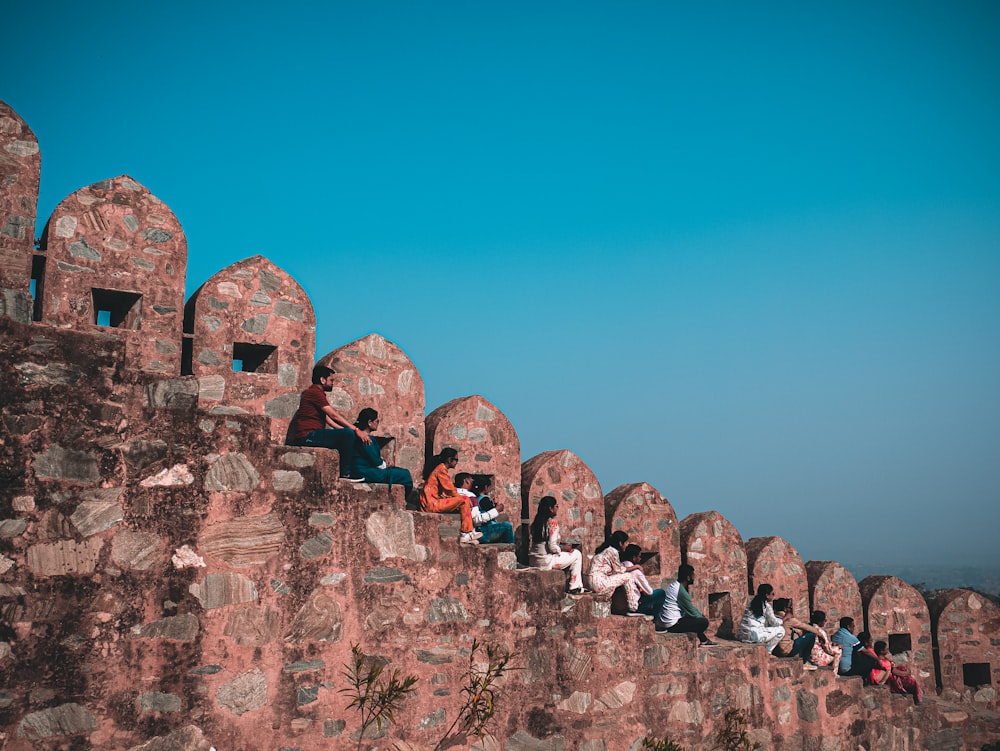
607, 571
759, 624
439, 496
368, 461
790, 646
824, 652
546, 550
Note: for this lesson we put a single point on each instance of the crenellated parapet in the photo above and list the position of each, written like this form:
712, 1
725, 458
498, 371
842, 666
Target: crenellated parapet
250, 338
115, 259
20, 170
374, 372
650, 521
965, 627
486, 442
711, 544
834, 590
895, 612
775, 561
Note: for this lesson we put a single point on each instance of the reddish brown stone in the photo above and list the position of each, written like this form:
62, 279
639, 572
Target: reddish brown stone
114, 247
711, 544
487, 444
254, 315
650, 521
20, 168
374, 372
897, 613
772, 560
563, 474
833, 590
966, 631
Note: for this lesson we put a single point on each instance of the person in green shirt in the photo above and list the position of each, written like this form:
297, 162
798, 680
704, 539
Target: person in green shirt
678, 614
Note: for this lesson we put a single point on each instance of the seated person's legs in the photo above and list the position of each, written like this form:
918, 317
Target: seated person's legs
341, 439
494, 531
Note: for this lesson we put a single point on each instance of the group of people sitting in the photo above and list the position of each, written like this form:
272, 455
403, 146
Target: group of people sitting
772, 622
615, 566
318, 424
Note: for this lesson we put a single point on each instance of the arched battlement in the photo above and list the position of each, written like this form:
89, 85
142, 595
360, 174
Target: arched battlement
897, 613
374, 372
834, 590
250, 338
775, 561
486, 441
965, 628
115, 260
564, 475
711, 544
651, 522
20, 170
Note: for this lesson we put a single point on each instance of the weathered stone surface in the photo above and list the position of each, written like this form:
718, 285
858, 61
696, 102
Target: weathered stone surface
837, 702
58, 463
188, 738
176, 628
298, 459
319, 619
301, 667
618, 696
446, 610
523, 741
249, 541
94, 516
806, 704
12, 527
306, 695
316, 546
172, 393
436, 656
284, 480
66, 719
157, 701
135, 550
282, 407
687, 712
333, 728
232, 472
64, 557
578, 702
219, 590
179, 474
392, 534
253, 625
184, 557
244, 693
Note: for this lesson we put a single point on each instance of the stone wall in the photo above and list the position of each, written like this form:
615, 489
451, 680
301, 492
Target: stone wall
20, 169
252, 336
486, 442
897, 613
774, 561
374, 372
711, 544
965, 627
116, 259
833, 590
647, 517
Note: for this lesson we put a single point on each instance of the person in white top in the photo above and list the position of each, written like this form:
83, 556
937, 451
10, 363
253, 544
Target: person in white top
759, 624
546, 550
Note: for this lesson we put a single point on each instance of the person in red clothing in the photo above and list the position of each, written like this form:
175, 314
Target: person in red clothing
309, 424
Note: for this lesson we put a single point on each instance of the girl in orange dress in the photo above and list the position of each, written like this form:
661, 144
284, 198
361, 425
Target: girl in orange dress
438, 495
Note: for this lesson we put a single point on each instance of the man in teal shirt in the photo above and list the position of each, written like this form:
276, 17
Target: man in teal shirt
679, 615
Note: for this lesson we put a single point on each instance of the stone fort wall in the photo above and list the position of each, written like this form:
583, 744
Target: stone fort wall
173, 577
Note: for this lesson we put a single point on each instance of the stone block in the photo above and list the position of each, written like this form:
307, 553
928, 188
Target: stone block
58, 463
64, 720
176, 628
247, 541
246, 692
392, 534
219, 590
135, 550
64, 557
319, 619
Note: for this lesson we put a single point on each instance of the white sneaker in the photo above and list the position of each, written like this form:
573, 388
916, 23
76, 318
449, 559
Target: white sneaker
469, 538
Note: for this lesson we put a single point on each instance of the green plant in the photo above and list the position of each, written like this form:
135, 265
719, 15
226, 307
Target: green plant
650, 743
733, 736
376, 695
479, 692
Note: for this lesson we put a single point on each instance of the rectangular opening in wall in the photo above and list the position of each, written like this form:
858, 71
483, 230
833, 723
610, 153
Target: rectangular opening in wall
187, 355
37, 286
254, 358
115, 309
975, 674
899, 643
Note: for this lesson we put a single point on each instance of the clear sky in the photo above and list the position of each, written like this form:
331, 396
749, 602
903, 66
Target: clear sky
746, 252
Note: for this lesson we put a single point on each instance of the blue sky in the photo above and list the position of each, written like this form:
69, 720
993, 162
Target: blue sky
747, 253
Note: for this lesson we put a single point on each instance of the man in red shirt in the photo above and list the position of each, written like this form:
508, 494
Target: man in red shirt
309, 424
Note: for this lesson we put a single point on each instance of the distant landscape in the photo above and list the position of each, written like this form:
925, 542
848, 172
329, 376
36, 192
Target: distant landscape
932, 576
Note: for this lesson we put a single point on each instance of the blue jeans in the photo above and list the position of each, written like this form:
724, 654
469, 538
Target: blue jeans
496, 532
341, 439
651, 604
